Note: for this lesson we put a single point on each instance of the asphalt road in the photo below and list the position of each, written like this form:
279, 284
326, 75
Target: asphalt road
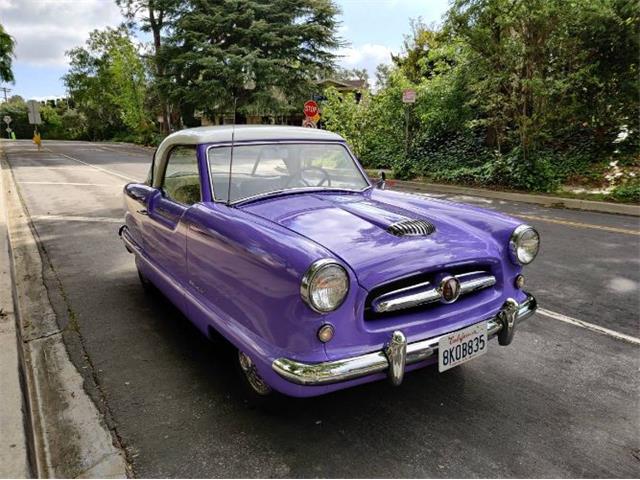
561, 401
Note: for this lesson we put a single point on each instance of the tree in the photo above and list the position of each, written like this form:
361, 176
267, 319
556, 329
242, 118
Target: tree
522, 93
415, 60
106, 82
7, 44
16, 108
539, 66
130, 85
153, 16
383, 72
258, 55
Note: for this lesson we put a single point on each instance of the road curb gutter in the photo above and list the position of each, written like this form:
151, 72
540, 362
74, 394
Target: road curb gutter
68, 435
545, 200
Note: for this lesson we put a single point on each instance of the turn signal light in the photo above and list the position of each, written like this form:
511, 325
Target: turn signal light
325, 333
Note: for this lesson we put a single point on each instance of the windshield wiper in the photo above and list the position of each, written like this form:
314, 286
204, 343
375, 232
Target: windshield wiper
291, 191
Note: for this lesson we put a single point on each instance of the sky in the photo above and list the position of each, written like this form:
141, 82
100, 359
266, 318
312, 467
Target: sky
45, 29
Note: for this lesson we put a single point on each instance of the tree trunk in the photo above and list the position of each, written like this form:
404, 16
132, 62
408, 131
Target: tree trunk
156, 27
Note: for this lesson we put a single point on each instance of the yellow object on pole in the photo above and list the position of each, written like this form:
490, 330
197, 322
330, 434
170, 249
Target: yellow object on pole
37, 139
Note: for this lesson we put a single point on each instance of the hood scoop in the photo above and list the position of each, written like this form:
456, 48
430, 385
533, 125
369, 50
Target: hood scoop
411, 228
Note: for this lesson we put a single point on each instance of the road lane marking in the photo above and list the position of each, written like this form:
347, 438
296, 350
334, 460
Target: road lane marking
122, 150
78, 218
105, 170
579, 224
69, 183
589, 326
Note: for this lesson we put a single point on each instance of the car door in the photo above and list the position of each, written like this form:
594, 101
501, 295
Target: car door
165, 230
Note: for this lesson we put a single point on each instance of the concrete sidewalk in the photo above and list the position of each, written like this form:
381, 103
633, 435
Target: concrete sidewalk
545, 200
14, 462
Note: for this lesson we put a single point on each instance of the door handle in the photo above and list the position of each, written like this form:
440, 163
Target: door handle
143, 212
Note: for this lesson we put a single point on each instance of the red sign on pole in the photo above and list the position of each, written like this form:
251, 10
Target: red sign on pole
310, 109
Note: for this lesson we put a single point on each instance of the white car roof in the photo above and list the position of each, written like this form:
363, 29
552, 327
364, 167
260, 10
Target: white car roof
241, 133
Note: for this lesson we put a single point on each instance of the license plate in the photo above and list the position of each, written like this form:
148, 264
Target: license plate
461, 346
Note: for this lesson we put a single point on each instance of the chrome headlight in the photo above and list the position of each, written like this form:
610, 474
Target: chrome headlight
324, 286
524, 245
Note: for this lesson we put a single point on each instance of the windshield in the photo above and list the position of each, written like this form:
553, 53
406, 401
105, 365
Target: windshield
259, 170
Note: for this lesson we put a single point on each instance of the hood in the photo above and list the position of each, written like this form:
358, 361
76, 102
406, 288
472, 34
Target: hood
354, 228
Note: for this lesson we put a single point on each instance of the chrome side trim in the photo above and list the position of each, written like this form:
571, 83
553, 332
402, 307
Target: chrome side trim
390, 302
376, 362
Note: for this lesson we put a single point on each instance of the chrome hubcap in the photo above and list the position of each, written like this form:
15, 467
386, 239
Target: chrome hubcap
253, 377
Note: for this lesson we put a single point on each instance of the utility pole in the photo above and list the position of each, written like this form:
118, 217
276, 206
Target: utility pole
5, 90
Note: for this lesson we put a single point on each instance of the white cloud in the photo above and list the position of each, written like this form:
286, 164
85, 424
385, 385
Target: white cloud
45, 29
367, 56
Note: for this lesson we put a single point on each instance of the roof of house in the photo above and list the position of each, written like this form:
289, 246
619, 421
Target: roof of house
356, 84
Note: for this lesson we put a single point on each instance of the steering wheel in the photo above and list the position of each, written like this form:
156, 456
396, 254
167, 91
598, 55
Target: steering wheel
325, 177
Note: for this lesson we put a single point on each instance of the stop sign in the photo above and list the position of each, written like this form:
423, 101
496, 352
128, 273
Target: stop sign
310, 109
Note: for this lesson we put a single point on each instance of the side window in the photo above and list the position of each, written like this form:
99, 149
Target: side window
181, 181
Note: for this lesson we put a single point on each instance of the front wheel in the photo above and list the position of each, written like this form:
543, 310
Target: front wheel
256, 392
252, 377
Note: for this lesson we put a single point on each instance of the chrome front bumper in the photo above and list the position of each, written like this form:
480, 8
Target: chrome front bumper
397, 353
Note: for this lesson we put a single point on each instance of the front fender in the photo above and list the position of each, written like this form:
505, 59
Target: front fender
244, 280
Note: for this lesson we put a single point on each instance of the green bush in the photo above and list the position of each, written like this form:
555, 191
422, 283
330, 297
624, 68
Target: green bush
498, 106
628, 192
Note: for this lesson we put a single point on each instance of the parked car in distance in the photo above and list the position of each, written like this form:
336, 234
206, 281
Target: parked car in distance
275, 238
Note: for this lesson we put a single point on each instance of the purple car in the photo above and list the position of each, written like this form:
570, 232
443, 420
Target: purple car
275, 238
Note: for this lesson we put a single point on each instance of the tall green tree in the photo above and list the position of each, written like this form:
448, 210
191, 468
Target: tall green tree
155, 17
130, 85
260, 55
416, 60
535, 66
7, 44
106, 81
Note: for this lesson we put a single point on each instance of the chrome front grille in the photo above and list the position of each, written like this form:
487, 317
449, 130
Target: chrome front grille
411, 228
405, 298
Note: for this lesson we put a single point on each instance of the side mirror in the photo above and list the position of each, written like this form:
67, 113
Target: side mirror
382, 183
